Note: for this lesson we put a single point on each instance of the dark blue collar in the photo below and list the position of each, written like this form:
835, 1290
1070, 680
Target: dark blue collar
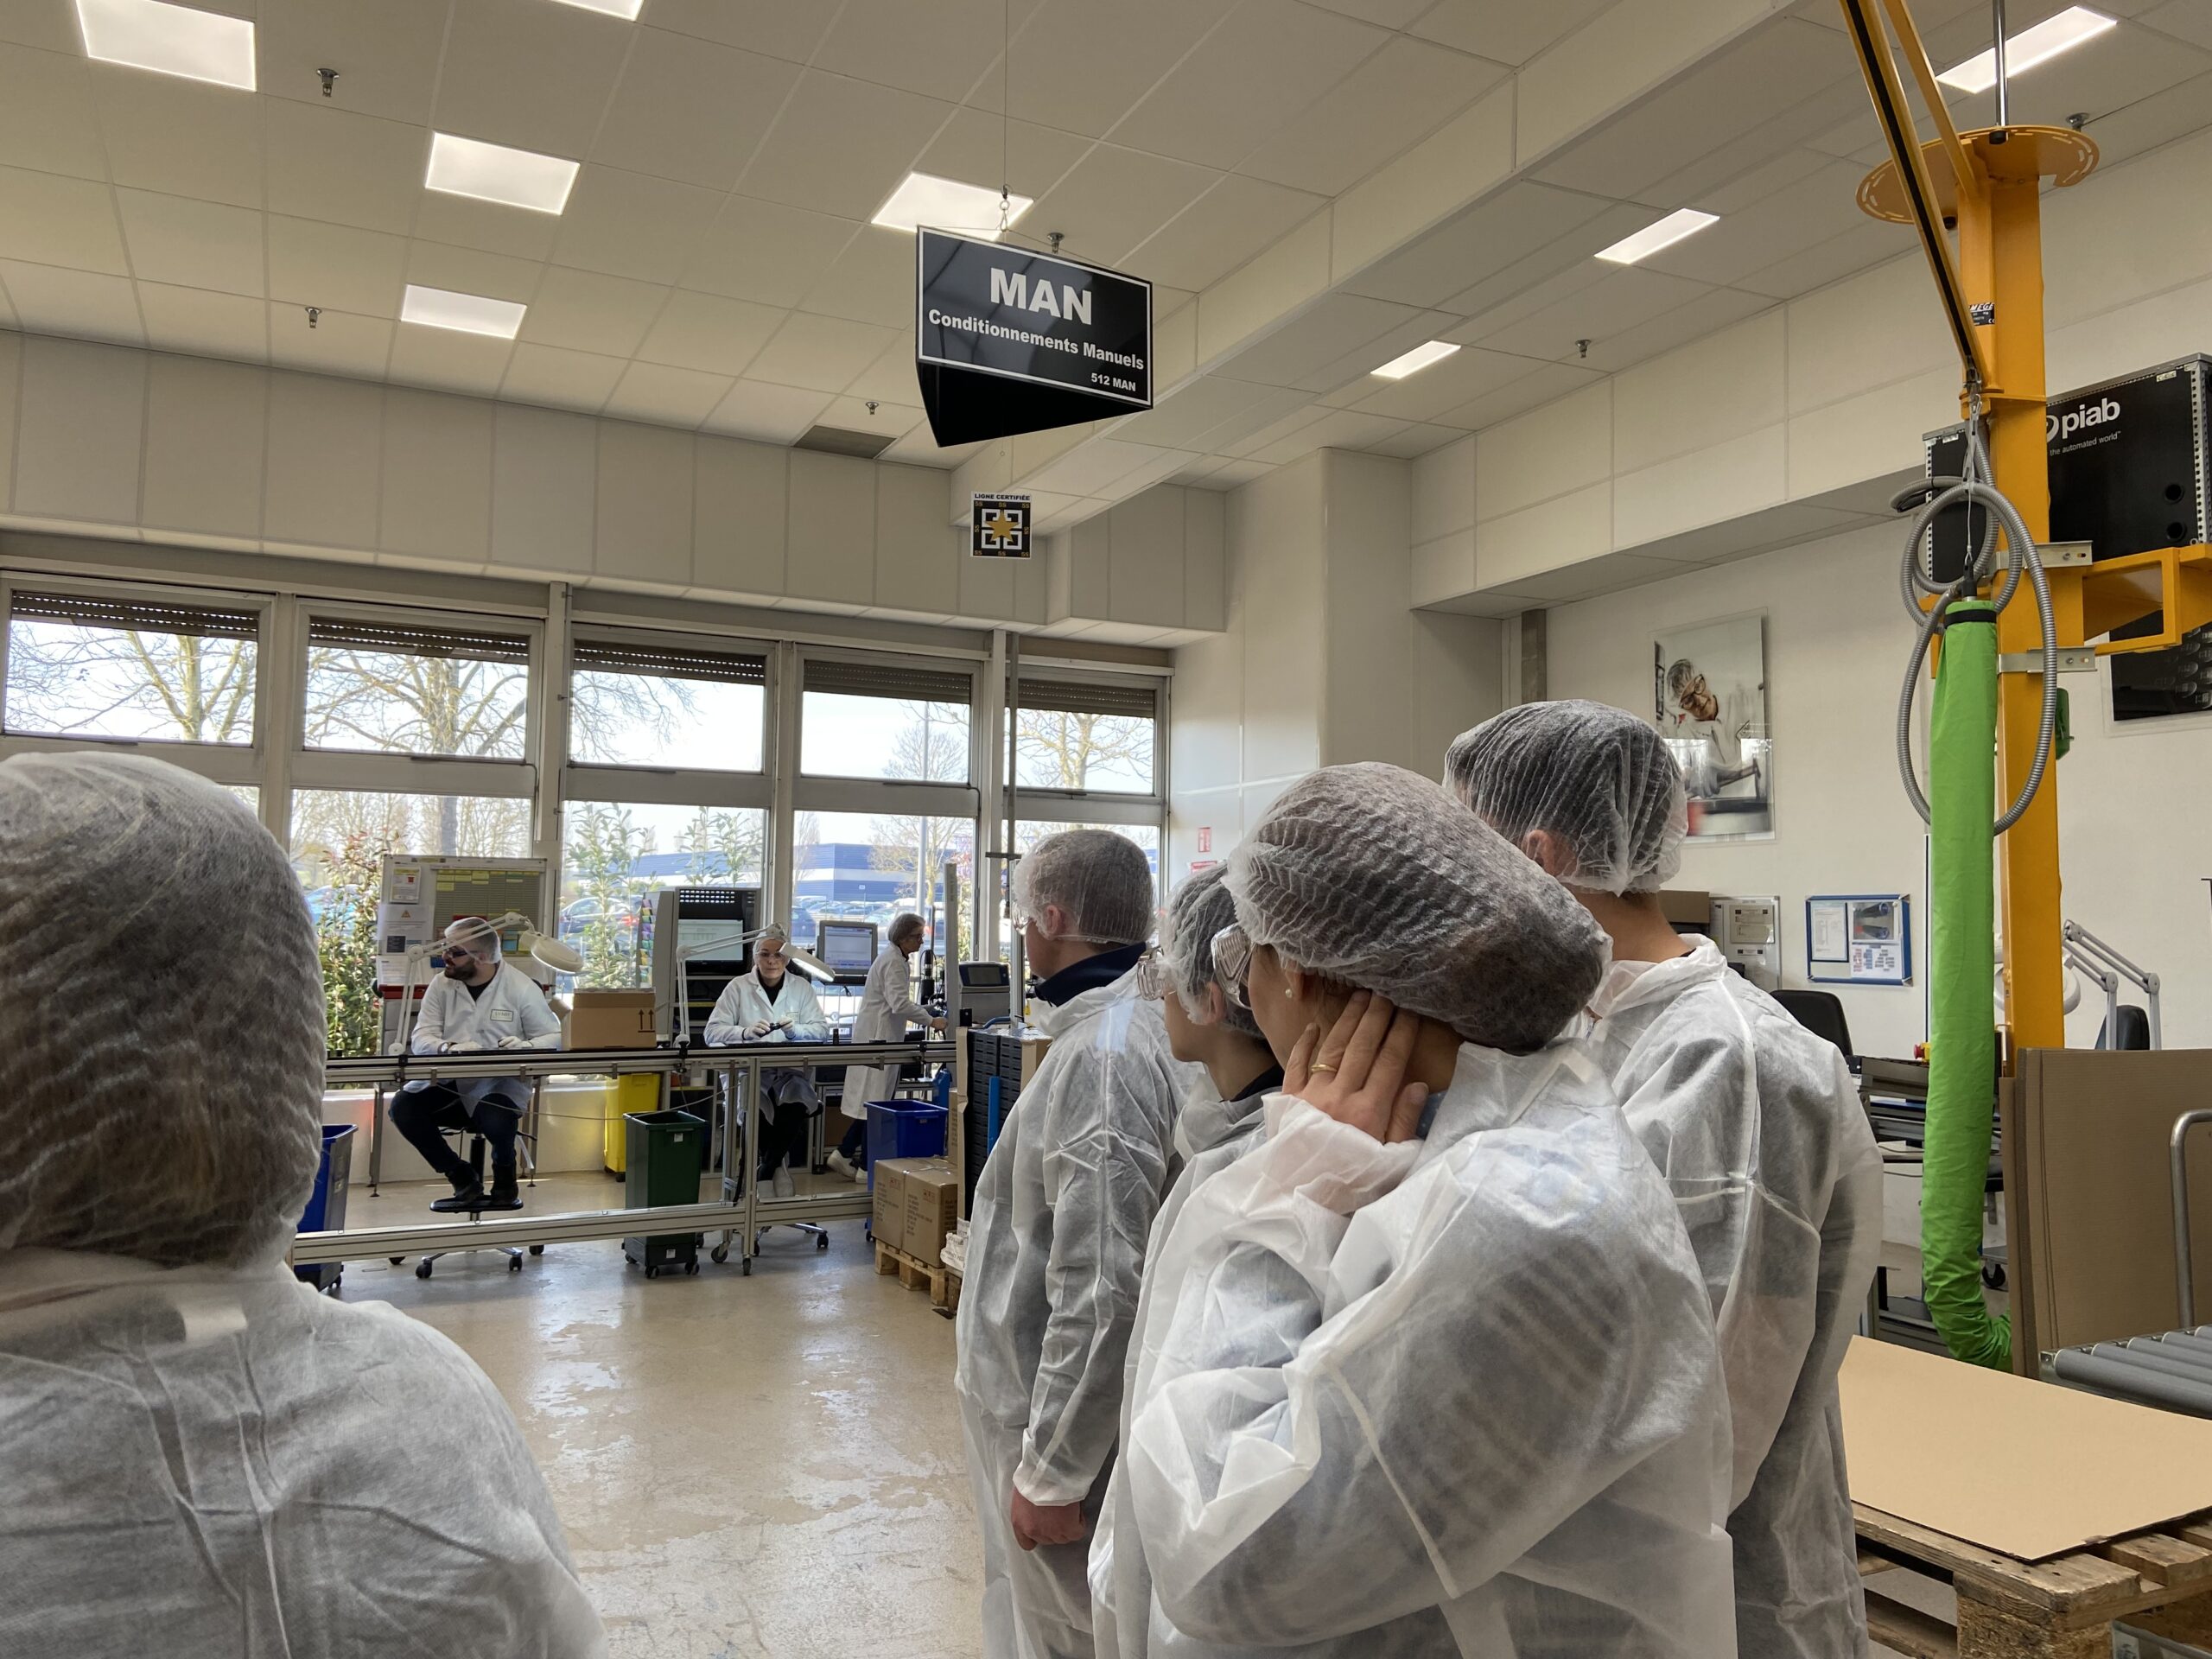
1266, 1083
1088, 975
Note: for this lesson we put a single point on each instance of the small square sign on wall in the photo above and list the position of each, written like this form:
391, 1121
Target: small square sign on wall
1206, 838
1000, 527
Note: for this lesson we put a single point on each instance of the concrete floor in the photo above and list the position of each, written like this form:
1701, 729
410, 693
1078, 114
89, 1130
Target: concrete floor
768, 1466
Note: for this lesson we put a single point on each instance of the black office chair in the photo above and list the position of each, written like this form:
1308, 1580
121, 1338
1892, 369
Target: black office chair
526, 1153
1819, 1013
2133, 1029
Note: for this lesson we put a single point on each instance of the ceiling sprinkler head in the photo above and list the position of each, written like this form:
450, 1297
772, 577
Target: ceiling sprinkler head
329, 80
314, 315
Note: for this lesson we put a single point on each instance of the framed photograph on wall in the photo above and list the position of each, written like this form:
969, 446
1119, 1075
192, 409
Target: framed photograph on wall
1709, 699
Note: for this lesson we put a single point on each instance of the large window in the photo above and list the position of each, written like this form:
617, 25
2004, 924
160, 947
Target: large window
396, 688
617, 856
100, 666
872, 867
666, 707
1085, 735
887, 721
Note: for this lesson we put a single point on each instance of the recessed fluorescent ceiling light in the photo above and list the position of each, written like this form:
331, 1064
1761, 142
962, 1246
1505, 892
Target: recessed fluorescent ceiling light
947, 205
628, 9
1415, 360
439, 308
2030, 47
465, 167
1683, 221
170, 40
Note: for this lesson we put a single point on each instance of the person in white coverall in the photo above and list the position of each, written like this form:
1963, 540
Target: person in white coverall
1207, 1026
1755, 1122
768, 1003
202, 1458
1428, 1368
1056, 1242
888, 1007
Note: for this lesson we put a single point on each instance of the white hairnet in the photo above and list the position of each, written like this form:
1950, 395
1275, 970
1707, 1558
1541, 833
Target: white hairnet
1199, 909
1600, 779
161, 1025
1100, 881
476, 933
1371, 876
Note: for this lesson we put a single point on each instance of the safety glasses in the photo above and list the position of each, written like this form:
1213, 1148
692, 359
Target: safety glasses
1232, 963
1151, 976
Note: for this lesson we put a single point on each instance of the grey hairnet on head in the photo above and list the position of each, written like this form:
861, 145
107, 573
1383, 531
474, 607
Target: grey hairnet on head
160, 1017
1599, 779
1373, 877
475, 933
1100, 881
1197, 911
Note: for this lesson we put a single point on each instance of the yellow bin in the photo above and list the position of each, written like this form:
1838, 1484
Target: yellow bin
639, 1092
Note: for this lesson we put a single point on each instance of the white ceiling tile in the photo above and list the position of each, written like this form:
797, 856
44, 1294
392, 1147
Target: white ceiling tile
771, 414
942, 49
891, 378
1808, 213
1233, 221
1560, 265
765, 252
853, 415
1711, 179
8, 319
1467, 374
820, 353
528, 74
1416, 440
1388, 105
667, 396
49, 300
339, 343
1553, 381
873, 281
1776, 171
919, 449
1270, 58
1615, 303
1388, 13
194, 243
1233, 472
325, 162
690, 109
1337, 428
32, 22
559, 379
1273, 433
1480, 242
48, 219
449, 361
776, 27
492, 227
206, 325
1868, 243
2116, 69
628, 225
583, 311
840, 146
1114, 199
2153, 121
977, 146
469, 270
1123, 49
2185, 20
335, 266
1511, 31
47, 119
1319, 336
1198, 408
1701, 314
386, 55
706, 332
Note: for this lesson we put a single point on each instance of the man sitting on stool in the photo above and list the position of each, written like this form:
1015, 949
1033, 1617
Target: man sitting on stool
772, 1005
477, 1004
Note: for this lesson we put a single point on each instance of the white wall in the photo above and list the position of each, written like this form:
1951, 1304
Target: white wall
2133, 802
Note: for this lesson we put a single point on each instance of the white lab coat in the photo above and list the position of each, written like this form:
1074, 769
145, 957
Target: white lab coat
210, 1463
512, 1006
795, 1016
887, 1008
1456, 1395
1056, 1243
1757, 1128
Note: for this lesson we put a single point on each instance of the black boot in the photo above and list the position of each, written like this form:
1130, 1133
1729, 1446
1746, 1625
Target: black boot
505, 1193
467, 1198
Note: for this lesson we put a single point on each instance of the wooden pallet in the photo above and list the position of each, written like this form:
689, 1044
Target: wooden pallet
941, 1282
2160, 1581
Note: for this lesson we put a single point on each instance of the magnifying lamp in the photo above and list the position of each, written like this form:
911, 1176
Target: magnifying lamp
806, 961
541, 948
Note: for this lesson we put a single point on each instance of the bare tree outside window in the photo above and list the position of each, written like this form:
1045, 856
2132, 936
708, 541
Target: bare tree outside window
67, 679
1059, 749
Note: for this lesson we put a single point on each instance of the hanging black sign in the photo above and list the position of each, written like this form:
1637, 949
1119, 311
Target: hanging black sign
1010, 340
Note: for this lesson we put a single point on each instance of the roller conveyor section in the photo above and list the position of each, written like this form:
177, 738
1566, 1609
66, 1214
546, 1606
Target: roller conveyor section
2174, 1370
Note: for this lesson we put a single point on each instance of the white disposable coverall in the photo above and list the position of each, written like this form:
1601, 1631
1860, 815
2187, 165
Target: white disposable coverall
512, 1006
887, 1008
1757, 1125
1459, 1395
207, 1462
1055, 1253
794, 1017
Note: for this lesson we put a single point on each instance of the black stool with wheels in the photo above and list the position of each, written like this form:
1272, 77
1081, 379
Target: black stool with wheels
513, 1253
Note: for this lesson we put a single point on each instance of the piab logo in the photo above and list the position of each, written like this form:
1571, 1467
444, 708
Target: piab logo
2059, 428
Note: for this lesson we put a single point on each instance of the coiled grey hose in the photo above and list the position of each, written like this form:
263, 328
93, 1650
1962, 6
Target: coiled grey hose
1915, 582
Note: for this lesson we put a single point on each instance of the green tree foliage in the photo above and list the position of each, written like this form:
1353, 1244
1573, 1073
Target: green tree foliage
345, 942
604, 847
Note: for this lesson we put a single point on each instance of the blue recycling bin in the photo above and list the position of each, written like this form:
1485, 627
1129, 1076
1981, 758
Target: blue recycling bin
326, 1210
904, 1129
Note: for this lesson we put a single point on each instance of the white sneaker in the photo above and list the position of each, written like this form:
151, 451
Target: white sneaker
860, 1178
784, 1186
841, 1163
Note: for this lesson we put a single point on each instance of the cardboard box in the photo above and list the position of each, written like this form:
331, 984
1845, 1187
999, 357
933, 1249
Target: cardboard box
609, 1019
933, 1206
889, 1222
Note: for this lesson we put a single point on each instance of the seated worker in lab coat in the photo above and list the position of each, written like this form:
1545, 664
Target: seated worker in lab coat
1755, 1122
888, 1007
771, 1004
202, 1458
477, 1003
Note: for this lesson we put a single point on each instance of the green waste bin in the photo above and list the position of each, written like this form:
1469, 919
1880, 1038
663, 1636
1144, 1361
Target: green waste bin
661, 1168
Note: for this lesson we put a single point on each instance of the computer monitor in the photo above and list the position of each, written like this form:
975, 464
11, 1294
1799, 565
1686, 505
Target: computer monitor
847, 949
